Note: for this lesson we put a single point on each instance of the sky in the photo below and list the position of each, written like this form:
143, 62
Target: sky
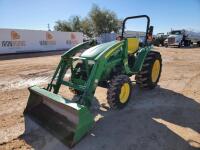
37, 14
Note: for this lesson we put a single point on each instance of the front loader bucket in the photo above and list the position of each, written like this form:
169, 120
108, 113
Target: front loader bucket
66, 120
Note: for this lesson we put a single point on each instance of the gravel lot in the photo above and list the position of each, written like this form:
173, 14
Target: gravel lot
166, 118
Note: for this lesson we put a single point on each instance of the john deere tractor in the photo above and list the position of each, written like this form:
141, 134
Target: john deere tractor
82, 69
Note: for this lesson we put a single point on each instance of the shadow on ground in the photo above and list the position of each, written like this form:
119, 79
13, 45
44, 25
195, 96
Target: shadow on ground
158, 119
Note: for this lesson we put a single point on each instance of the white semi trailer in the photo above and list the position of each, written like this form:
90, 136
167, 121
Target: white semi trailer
22, 41
182, 38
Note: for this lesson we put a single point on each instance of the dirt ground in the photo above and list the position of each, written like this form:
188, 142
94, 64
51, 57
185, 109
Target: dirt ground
166, 118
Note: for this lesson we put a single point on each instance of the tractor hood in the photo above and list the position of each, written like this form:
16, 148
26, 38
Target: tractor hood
93, 52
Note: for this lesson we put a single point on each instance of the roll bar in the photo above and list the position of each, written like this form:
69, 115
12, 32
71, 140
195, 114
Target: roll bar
135, 17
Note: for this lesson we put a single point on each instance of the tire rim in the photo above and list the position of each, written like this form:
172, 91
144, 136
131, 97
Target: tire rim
124, 93
155, 71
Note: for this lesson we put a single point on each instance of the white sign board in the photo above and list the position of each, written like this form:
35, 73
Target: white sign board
18, 40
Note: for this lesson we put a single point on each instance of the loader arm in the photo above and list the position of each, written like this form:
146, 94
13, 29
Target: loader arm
95, 74
140, 57
62, 66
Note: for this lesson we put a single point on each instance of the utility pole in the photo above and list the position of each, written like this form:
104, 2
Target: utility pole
48, 26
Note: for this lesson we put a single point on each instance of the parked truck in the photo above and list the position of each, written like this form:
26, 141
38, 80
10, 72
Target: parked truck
159, 39
182, 38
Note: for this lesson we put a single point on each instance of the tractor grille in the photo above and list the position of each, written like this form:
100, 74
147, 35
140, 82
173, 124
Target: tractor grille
171, 40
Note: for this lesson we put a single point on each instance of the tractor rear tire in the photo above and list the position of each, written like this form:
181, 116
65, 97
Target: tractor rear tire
119, 91
150, 73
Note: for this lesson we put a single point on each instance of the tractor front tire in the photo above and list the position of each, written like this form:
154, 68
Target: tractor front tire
150, 73
119, 91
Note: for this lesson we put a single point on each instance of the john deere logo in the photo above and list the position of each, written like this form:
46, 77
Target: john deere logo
14, 42
49, 40
73, 39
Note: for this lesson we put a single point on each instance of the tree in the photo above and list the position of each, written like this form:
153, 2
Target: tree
98, 21
87, 27
104, 21
75, 22
62, 25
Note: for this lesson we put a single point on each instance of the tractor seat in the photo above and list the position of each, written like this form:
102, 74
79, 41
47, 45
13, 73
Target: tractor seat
133, 45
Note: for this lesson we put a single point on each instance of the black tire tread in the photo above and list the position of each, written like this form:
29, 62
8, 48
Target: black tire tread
143, 78
114, 90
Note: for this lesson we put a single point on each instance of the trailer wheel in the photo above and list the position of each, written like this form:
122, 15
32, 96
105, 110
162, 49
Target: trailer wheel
119, 91
149, 75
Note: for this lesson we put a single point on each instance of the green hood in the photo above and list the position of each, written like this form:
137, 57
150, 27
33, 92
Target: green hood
93, 52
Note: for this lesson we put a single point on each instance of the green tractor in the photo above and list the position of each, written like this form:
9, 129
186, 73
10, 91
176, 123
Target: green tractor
82, 69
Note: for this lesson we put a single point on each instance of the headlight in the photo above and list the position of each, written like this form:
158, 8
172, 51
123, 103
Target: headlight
76, 62
91, 62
